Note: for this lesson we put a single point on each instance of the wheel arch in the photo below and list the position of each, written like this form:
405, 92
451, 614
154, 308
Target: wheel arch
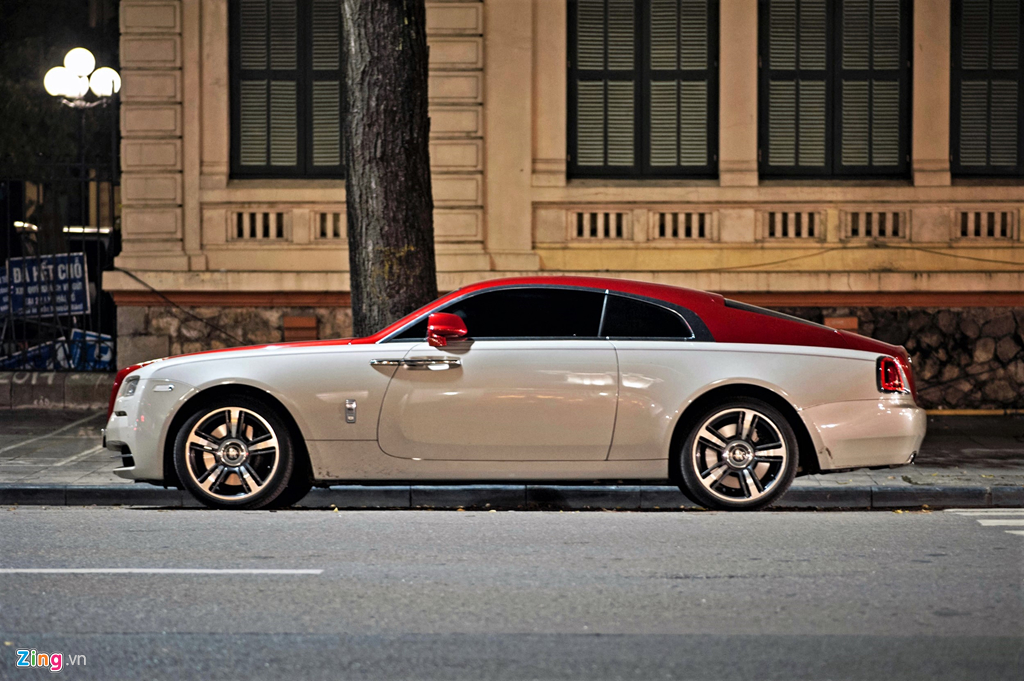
210, 395
808, 455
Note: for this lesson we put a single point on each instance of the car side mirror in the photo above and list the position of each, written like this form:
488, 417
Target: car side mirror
441, 326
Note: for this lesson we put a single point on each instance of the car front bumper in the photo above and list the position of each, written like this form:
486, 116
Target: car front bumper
138, 427
883, 432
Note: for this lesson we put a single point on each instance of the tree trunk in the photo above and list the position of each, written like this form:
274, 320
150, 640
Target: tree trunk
389, 199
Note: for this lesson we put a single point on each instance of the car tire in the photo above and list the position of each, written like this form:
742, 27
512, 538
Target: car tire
235, 453
298, 487
741, 455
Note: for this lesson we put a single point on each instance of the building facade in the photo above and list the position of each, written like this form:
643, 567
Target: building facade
857, 162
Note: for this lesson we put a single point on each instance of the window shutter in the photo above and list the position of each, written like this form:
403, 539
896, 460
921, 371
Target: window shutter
643, 88
986, 82
797, 85
835, 83
328, 85
287, 85
872, 78
680, 83
605, 71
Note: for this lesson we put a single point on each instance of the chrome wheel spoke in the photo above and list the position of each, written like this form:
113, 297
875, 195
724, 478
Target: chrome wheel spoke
745, 424
259, 439
261, 452
713, 437
211, 478
752, 486
716, 472
250, 479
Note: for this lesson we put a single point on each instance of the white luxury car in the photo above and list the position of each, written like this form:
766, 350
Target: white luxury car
530, 379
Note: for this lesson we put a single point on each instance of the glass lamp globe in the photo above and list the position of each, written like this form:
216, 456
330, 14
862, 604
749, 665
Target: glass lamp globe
59, 82
79, 61
104, 82
79, 85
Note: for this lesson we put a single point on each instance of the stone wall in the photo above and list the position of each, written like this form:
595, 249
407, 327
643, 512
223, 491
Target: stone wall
150, 332
963, 358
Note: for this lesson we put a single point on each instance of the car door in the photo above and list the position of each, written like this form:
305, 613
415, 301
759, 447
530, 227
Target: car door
531, 382
657, 354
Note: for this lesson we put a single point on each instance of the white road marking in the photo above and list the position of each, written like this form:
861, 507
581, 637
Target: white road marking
76, 457
43, 437
989, 511
155, 571
995, 517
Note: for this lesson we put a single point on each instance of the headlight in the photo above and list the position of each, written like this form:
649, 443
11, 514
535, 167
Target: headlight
130, 385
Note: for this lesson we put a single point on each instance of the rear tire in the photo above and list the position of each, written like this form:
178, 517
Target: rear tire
741, 455
236, 453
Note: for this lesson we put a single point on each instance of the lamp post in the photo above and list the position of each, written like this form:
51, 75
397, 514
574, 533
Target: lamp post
72, 82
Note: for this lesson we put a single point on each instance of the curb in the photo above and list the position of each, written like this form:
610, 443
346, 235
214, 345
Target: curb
527, 497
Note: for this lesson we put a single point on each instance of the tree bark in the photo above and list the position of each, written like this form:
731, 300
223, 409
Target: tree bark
389, 199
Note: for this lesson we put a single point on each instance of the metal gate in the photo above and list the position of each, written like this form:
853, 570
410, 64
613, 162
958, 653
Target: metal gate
60, 231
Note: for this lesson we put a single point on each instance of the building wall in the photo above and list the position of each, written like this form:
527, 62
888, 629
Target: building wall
504, 204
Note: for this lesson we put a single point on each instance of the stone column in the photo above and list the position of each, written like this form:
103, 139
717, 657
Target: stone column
930, 137
737, 103
508, 39
151, 129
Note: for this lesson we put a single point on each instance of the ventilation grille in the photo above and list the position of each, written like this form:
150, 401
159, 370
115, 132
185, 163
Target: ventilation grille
330, 226
600, 225
257, 226
685, 225
872, 224
792, 225
986, 224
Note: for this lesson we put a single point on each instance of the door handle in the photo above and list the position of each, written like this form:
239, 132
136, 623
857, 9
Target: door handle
432, 363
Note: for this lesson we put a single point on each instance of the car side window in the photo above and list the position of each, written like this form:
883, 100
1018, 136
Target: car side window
524, 313
631, 318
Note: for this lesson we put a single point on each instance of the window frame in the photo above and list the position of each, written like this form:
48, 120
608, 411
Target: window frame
833, 168
956, 78
698, 330
304, 77
641, 74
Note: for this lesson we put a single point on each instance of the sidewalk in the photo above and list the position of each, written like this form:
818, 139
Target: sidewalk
54, 457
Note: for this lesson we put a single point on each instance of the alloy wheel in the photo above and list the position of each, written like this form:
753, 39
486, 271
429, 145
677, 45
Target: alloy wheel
739, 455
231, 453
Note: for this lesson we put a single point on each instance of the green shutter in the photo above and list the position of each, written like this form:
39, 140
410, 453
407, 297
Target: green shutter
871, 71
680, 83
606, 83
987, 79
797, 34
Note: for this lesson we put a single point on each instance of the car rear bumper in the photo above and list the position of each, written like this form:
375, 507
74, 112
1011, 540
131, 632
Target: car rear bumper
883, 432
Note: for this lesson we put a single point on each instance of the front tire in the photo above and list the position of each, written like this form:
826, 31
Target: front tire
235, 453
740, 456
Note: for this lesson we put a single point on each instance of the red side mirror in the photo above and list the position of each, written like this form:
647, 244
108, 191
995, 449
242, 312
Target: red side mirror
441, 326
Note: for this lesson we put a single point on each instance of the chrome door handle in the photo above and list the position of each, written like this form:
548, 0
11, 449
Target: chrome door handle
433, 363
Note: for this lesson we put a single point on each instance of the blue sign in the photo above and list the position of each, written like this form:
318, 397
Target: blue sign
45, 285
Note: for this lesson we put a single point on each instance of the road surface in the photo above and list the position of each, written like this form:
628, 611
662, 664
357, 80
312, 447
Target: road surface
172, 594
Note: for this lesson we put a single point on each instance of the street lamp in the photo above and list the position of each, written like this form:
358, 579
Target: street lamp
73, 81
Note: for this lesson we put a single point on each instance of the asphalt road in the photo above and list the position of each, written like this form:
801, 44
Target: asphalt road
447, 595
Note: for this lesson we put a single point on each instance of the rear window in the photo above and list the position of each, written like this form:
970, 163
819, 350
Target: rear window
631, 318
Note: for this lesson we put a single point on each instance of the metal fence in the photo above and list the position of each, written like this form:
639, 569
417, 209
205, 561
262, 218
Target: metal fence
60, 231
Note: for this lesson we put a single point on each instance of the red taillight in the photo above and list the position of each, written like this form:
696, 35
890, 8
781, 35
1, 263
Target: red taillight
890, 377
118, 380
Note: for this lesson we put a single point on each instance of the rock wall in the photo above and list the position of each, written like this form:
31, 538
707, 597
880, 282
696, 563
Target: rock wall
963, 358
150, 332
